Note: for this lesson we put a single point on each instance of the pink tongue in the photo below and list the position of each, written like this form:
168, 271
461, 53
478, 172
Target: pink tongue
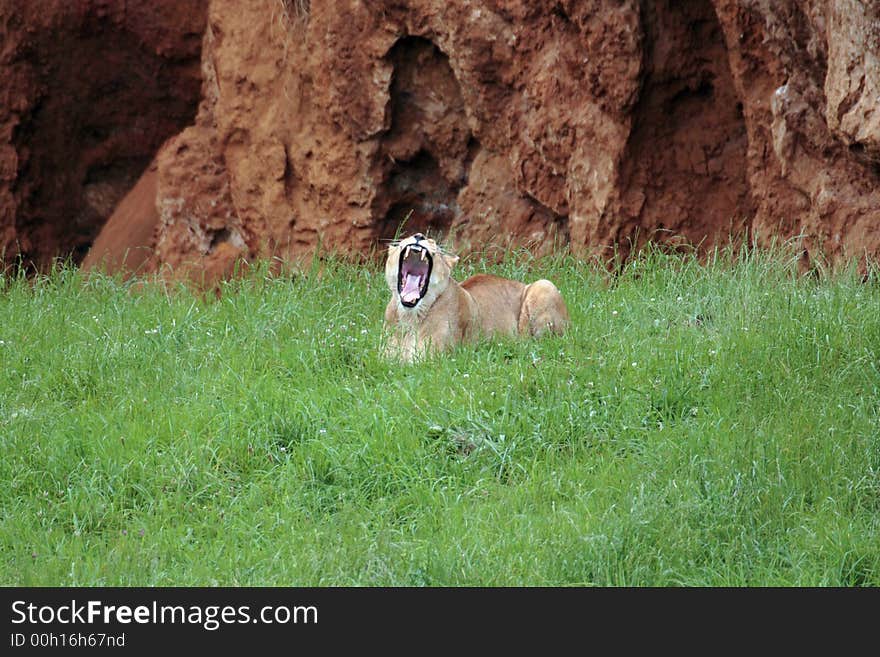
411, 288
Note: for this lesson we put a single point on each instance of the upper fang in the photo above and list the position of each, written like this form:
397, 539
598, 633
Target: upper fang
424, 254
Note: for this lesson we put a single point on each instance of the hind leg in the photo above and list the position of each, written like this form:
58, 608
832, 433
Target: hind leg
543, 310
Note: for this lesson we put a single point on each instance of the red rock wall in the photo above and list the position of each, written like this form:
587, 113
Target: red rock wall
599, 123
806, 72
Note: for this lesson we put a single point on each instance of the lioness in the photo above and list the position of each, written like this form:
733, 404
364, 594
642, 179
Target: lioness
429, 310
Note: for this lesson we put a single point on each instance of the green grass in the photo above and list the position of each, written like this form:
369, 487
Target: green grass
701, 424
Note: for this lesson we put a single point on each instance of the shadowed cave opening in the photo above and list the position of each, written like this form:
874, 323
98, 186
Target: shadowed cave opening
425, 154
105, 102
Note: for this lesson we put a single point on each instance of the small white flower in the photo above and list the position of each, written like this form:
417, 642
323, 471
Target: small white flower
613, 312
151, 331
322, 431
679, 299
363, 331
592, 413
635, 364
465, 375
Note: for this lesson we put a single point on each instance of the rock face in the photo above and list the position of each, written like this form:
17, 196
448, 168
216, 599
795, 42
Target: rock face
807, 72
597, 123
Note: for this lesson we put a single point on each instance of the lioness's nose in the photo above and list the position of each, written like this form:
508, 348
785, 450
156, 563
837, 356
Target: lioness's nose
418, 236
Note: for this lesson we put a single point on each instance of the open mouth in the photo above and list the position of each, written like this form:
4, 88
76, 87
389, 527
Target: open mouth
413, 274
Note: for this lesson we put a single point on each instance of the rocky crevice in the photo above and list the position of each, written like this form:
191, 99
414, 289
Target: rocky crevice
683, 177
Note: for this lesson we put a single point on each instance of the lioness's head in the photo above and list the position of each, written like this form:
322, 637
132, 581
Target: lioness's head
418, 271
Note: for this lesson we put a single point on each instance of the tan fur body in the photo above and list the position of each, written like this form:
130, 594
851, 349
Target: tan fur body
452, 312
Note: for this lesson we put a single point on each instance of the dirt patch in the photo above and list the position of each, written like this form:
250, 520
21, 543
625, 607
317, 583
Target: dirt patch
124, 243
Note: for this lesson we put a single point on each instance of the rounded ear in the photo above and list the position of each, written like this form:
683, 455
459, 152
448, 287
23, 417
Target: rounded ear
450, 259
